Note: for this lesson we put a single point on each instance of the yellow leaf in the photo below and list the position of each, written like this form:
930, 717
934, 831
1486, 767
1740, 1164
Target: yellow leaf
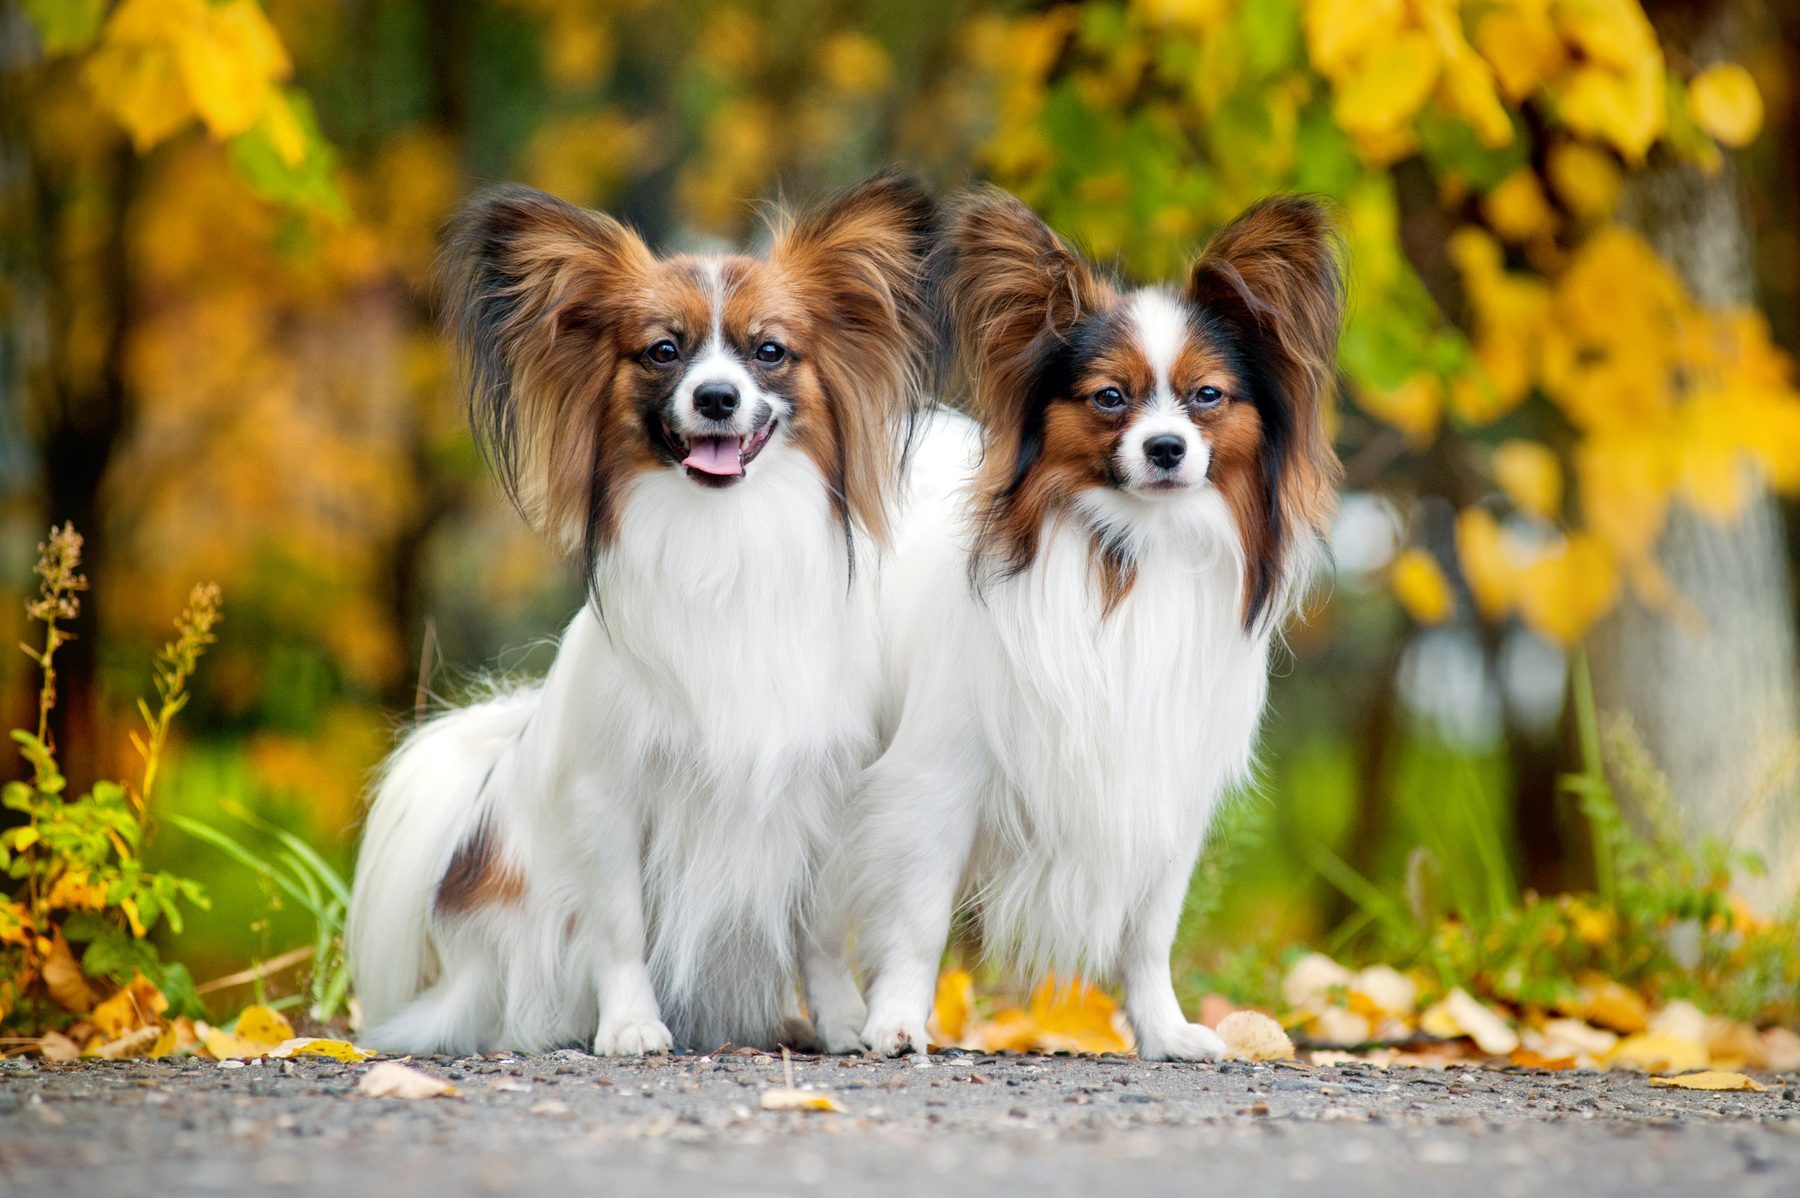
229, 58
800, 1100
54, 1046
337, 1050
1586, 179
391, 1079
1523, 48
1625, 482
1564, 592
1338, 32
1725, 102
1660, 1052
1712, 1079
1422, 588
132, 73
1624, 110
1481, 551
953, 1006
260, 1025
855, 63
1383, 93
1611, 1004
1197, 16
137, 1042
1073, 1016
134, 1006
72, 891
130, 907
1531, 476
23, 838
15, 924
1414, 407
64, 979
1517, 208
223, 1046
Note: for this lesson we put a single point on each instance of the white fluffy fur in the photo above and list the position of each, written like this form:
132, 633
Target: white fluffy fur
666, 793
1051, 770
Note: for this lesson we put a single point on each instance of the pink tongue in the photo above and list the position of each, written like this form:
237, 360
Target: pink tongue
715, 455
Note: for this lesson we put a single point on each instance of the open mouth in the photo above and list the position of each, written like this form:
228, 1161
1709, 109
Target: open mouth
719, 461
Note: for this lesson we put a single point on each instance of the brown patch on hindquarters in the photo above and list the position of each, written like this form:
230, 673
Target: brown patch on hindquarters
477, 876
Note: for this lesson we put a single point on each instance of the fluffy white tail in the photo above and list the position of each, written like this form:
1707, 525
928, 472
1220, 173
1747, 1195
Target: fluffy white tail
425, 802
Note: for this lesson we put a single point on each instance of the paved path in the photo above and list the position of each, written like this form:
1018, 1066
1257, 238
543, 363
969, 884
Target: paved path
568, 1123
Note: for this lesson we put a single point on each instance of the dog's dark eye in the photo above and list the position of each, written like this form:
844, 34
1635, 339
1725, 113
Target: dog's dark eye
663, 352
770, 352
1109, 399
1206, 397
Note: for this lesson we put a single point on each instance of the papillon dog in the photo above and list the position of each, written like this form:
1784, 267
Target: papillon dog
1078, 614
625, 853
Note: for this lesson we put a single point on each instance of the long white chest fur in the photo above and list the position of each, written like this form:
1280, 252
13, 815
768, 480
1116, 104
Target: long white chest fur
723, 699
1110, 737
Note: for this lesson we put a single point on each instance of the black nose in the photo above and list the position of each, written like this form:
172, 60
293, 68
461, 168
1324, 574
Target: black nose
1165, 451
716, 401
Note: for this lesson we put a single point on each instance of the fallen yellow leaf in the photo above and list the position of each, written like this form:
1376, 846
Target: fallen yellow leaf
309, 1046
1712, 1079
1660, 1052
54, 1046
221, 1045
133, 1043
952, 1008
391, 1079
260, 1025
800, 1100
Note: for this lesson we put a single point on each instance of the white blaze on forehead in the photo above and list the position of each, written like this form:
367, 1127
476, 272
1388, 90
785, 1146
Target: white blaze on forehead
1160, 323
713, 361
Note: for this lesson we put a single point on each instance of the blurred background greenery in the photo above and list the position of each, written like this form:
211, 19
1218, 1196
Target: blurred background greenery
1569, 417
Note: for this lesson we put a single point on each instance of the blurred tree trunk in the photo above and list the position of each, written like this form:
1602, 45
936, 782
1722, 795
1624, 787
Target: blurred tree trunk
1715, 699
72, 320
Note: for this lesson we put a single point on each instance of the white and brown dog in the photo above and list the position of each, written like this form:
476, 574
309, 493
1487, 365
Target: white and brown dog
625, 854
1079, 609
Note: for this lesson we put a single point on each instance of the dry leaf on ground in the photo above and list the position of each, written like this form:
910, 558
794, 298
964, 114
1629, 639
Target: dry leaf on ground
1712, 1079
1253, 1036
391, 1079
54, 1046
800, 1100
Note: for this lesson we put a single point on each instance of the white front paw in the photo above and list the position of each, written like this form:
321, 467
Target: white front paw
633, 1038
885, 1037
839, 1037
1180, 1042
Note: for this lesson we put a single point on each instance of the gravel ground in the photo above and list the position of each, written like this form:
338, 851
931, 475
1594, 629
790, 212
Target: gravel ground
1040, 1126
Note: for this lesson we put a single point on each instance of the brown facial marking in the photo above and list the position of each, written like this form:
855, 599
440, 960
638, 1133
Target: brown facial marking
477, 876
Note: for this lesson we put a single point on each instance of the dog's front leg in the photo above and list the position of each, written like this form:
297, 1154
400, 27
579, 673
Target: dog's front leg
832, 999
1163, 1031
915, 848
613, 924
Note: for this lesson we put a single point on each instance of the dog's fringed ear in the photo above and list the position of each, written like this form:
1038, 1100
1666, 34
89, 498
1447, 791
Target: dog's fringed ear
858, 264
1275, 275
530, 286
1013, 292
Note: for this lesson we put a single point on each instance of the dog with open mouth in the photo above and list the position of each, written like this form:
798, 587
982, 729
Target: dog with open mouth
1078, 611
625, 853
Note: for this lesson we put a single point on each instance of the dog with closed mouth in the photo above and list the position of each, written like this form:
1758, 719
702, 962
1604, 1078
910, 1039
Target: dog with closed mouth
625, 854
1078, 614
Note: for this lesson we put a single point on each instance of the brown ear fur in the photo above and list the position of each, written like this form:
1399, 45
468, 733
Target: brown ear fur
1012, 292
531, 286
1275, 273
857, 263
